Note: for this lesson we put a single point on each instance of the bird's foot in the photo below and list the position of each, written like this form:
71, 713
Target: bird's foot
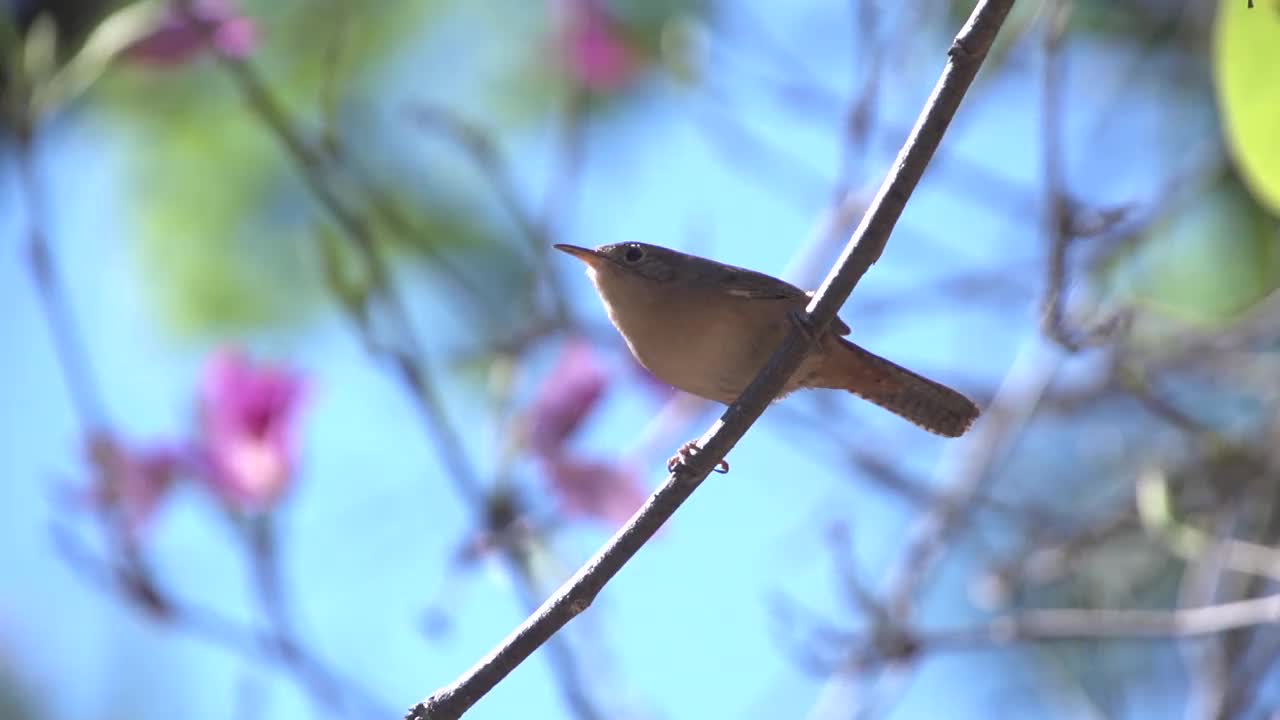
686, 453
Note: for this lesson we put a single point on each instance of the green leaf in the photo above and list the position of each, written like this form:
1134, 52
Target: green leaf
92, 59
226, 230
1246, 72
1209, 261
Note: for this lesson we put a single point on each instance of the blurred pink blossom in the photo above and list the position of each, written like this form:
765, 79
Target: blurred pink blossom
179, 37
595, 489
249, 420
132, 481
570, 392
592, 47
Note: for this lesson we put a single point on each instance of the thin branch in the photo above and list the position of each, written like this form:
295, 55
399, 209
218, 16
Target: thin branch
269, 583
878, 646
482, 150
868, 242
574, 687
1008, 414
312, 165
409, 361
1091, 624
68, 344
1057, 210
124, 583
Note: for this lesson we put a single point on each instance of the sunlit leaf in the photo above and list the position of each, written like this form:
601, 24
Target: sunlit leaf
1246, 72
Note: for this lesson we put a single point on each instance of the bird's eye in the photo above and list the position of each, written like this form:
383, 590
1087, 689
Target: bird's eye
633, 254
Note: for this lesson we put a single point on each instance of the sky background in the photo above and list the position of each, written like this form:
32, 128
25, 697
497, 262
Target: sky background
371, 531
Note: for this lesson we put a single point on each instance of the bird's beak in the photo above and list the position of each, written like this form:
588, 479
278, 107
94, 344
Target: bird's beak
590, 257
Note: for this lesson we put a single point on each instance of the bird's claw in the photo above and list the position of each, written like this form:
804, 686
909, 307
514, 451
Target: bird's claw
686, 453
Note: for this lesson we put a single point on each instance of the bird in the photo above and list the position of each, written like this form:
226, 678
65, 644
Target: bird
707, 328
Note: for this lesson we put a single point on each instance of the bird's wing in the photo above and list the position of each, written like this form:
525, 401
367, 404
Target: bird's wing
758, 286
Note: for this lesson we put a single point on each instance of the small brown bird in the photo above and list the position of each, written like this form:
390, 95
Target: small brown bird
708, 328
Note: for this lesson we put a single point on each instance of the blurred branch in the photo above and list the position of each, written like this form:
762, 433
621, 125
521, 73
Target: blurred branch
879, 469
971, 470
760, 159
482, 149
893, 641
859, 116
264, 558
130, 583
409, 361
1056, 554
68, 344
868, 242
561, 192
1077, 624
129, 578
1205, 661
1056, 200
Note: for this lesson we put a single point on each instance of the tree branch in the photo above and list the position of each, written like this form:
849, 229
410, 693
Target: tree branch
965, 56
1082, 624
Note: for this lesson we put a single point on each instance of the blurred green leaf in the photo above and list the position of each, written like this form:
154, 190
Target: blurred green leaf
1246, 72
1206, 263
92, 59
40, 49
228, 238
224, 229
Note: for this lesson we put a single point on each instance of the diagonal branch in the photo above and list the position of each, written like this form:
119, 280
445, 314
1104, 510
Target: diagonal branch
865, 247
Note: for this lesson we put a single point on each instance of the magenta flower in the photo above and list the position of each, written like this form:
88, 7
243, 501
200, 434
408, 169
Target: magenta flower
591, 489
571, 391
249, 420
592, 47
180, 37
594, 489
132, 481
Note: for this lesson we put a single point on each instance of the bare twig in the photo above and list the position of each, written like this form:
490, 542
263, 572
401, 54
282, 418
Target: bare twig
482, 150
211, 626
868, 242
1081, 624
264, 557
318, 171
315, 171
1007, 415
69, 348
1057, 203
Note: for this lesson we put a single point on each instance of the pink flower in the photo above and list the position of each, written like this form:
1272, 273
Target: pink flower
249, 420
592, 47
591, 489
132, 481
180, 37
571, 391
595, 489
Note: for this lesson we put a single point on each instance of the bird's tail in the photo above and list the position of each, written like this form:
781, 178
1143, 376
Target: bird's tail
933, 406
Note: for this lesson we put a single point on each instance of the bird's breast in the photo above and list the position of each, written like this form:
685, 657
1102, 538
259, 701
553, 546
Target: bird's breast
708, 346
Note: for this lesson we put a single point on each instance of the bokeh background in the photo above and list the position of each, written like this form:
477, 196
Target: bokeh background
300, 414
